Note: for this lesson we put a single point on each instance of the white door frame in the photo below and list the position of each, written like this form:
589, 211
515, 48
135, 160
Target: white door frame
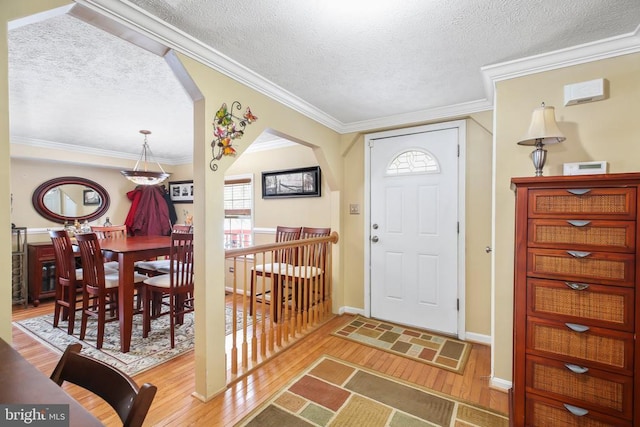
460, 125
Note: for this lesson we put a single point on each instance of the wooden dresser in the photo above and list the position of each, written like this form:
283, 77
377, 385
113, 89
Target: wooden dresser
576, 361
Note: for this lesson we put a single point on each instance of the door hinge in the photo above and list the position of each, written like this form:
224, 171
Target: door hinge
458, 150
458, 227
458, 304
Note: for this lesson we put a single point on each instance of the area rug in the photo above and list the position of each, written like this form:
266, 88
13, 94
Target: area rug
144, 354
333, 392
443, 352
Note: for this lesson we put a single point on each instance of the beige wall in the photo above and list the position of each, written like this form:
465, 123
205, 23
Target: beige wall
269, 213
604, 130
478, 224
27, 175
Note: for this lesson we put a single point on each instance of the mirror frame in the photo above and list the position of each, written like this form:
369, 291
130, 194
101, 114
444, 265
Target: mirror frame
38, 199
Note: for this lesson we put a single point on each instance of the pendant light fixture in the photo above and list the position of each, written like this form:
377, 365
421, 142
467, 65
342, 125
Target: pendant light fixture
144, 176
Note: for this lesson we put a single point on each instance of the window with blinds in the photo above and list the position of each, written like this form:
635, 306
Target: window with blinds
238, 218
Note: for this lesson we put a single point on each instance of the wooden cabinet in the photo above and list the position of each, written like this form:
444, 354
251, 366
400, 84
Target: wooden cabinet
42, 271
576, 359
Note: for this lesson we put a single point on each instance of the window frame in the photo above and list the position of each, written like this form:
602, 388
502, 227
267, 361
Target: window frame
230, 214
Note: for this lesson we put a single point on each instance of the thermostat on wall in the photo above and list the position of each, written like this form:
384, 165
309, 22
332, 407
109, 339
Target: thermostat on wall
585, 168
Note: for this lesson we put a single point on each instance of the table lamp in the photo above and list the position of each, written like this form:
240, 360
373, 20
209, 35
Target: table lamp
543, 130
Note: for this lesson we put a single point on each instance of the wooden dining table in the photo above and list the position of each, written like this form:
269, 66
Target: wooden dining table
128, 251
23, 384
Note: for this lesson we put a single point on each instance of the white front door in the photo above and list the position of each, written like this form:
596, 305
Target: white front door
414, 228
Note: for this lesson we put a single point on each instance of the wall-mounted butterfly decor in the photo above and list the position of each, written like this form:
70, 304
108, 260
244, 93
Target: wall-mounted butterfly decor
226, 128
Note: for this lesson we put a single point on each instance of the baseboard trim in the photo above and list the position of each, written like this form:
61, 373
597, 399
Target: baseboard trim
350, 310
501, 384
478, 338
229, 289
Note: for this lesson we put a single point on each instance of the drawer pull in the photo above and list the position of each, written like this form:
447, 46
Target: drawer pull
578, 412
579, 254
577, 286
577, 328
576, 369
577, 223
579, 191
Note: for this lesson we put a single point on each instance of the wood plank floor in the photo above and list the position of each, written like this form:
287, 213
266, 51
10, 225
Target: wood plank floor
174, 405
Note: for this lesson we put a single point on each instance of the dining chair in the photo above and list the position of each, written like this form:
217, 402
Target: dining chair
120, 391
68, 289
110, 232
160, 266
182, 228
309, 232
310, 270
282, 260
100, 290
173, 290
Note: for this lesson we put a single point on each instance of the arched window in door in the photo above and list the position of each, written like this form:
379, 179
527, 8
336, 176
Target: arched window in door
413, 161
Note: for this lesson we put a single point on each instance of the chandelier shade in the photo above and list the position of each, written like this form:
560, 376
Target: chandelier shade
140, 174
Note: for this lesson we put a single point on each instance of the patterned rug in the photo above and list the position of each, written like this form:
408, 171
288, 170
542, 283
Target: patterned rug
443, 352
145, 352
333, 392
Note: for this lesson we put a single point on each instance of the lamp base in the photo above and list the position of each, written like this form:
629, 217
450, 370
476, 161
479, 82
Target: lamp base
539, 157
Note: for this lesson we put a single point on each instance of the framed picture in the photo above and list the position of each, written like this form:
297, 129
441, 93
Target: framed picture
303, 182
181, 191
90, 197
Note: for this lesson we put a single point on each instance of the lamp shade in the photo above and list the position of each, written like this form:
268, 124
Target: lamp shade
543, 128
145, 177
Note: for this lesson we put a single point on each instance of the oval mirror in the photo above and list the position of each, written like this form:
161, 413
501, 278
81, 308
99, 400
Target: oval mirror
70, 198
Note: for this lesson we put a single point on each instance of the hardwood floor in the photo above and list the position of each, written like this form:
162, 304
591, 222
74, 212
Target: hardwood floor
174, 405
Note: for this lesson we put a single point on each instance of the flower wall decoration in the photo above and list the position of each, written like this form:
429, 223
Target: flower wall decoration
226, 128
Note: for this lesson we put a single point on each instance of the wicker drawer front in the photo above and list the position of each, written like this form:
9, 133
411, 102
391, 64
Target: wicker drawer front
612, 203
599, 267
597, 305
596, 235
611, 349
543, 412
599, 390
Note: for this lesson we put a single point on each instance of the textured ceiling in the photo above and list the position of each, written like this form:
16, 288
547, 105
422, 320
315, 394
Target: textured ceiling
353, 62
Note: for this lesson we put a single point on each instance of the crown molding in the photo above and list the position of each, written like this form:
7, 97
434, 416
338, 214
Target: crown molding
447, 112
41, 143
601, 49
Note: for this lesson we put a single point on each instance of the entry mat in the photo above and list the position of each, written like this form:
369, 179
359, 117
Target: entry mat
437, 350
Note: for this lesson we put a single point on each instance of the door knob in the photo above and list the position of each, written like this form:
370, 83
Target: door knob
374, 239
